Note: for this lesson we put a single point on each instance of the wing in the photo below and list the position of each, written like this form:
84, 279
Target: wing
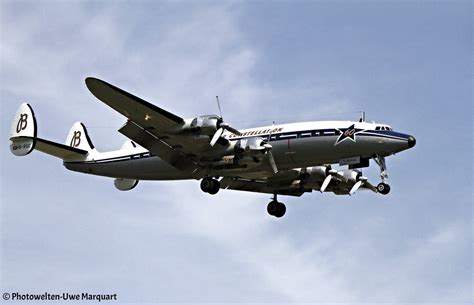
131, 106
147, 124
260, 186
295, 182
284, 183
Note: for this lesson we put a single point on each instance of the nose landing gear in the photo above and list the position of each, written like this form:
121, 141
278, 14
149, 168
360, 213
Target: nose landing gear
209, 185
275, 208
383, 187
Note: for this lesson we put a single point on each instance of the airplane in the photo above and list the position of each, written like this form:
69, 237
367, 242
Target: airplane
283, 159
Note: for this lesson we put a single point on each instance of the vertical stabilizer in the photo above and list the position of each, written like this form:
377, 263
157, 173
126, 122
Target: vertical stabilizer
79, 138
23, 131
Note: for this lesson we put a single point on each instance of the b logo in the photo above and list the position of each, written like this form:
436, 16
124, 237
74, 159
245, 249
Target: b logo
76, 139
22, 122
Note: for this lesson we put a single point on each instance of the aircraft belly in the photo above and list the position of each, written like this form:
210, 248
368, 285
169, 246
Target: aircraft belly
151, 168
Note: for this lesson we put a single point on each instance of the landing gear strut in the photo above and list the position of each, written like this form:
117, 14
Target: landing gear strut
383, 187
209, 185
275, 208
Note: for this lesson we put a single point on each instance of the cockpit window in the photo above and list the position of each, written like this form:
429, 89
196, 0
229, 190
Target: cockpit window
383, 128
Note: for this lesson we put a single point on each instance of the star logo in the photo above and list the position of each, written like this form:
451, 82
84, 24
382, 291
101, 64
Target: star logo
348, 133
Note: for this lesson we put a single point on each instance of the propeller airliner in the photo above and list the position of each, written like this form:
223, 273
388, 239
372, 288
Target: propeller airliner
286, 159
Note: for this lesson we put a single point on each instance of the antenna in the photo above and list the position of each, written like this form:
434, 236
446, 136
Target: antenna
362, 119
219, 106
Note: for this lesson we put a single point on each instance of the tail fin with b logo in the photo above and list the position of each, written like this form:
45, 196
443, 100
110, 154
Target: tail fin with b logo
79, 138
24, 139
23, 131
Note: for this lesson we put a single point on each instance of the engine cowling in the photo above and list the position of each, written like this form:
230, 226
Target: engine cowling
250, 145
350, 174
318, 172
205, 124
125, 184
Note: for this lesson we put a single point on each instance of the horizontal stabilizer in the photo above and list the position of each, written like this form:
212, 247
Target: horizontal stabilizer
23, 137
51, 148
60, 150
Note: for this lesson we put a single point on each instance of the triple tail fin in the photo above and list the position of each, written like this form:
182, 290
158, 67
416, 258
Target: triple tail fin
79, 138
24, 139
23, 131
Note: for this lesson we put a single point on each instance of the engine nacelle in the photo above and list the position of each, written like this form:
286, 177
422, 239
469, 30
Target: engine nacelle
205, 124
125, 184
250, 145
318, 172
350, 174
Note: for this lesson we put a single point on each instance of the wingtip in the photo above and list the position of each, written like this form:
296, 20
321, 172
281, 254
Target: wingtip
90, 79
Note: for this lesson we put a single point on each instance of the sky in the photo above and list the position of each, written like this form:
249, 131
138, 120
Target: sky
406, 63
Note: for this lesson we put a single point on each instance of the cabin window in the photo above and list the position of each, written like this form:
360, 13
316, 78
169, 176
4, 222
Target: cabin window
377, 128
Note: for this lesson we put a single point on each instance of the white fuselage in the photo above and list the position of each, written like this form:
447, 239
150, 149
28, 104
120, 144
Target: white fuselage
295, 145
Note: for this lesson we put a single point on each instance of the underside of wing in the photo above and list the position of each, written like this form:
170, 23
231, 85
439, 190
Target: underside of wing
148, 139
147, 124
261, 186
131, 106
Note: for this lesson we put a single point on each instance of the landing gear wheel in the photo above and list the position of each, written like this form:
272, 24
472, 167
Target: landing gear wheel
276, 209
272, 207
215, 187
383, 188
206, 184
281, 210
210, 186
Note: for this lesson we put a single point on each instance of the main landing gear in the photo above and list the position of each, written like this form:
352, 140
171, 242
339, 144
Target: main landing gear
209, 185
275, 208
383, 187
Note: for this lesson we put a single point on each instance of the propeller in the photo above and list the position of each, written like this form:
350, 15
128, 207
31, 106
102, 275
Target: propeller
325, 183
268, 149
221, 126
332, 173
363, 181
356, 186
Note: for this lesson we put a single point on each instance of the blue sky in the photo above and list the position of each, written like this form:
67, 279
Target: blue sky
406, 63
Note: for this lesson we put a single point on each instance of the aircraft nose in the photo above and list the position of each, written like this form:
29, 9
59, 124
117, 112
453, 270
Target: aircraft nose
411, 141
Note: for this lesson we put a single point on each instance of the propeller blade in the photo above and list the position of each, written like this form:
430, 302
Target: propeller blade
233, 130
216, 136
272, 162
325, 183
370, 186
355, 187
219, 106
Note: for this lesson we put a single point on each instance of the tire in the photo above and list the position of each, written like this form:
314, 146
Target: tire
206, 185
383, 188
281, 210
272, 208
214, 187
